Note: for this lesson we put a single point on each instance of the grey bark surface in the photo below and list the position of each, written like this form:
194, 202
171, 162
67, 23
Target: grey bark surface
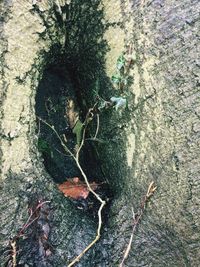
156, 138
166, 136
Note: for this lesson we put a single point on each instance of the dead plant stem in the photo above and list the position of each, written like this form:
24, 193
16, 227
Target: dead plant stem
136, 220
14, 252
76, 158
95, 194
61, 141
15, 239
97, 129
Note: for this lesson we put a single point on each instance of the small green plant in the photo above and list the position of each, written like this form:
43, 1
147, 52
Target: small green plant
43, 146
121, 61
80, 128
118, 77
121, 80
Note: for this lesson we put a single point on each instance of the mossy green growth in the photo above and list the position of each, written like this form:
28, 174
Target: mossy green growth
43, 146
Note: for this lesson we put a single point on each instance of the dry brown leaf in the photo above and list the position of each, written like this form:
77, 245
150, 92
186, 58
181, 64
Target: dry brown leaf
76, 189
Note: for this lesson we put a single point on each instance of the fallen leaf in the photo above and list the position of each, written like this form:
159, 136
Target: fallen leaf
76, 189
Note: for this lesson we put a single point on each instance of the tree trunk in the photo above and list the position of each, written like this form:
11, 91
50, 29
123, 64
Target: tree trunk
47, 44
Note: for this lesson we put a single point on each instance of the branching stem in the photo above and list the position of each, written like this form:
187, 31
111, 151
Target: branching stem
61, 141
89, 116
136, 220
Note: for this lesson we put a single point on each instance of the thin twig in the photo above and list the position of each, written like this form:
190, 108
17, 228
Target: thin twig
97, 129
94, 241
38, 134
29, 222
14, 252
89, 117
14, 240
61, 141
136, 220
61, 152
24, 226
103, 203
96, 140
129, 243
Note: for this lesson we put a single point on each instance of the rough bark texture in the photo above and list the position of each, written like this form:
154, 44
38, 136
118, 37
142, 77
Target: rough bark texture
28, 35
162, 136
157, 138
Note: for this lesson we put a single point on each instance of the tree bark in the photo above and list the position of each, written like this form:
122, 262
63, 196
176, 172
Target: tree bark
155, 139
161, 136
28, 33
